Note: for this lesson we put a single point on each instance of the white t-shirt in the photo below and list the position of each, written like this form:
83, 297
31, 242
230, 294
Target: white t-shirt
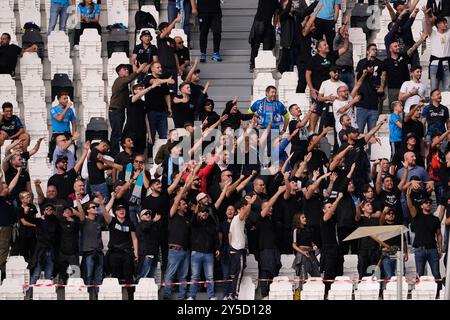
407, 86
237, 230
329, 87
337, 104
440, 45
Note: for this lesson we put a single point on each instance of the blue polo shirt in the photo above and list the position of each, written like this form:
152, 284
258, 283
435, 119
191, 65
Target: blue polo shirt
64, 125
327, 11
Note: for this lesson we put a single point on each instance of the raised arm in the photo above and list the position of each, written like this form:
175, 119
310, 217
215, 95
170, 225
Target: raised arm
317, 139
327, 216
177, 179
338, 157
40, 193
79, 164
423, 37
269, 204
374, 130
165, 33
36, 147
428, 22
378, 184
80, 211
219, 201
307, 29
142, 93
411, 207
246, 181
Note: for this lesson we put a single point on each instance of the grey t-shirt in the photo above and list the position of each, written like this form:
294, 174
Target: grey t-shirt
346, 60
91, 235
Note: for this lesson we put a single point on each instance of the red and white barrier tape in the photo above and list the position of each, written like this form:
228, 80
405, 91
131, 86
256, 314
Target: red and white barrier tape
408, 280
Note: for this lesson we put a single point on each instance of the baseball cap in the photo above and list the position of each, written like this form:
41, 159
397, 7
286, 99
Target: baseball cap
200, 196
410, 135
48, 205
203, 209
415, 178
120, 206
124, 65
119, 183
426, 199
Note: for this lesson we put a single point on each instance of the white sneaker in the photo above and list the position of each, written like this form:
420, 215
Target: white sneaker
265, 298
76, 47
213, 298
190, 298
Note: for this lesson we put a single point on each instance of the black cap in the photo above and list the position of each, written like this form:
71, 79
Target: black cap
124, 65
351, 130
119, 183
415, 178
59, 159
397, 3
47, 205
410, 135
120, 206
67, 207
426, 199
203, 209
335, 68
145, 33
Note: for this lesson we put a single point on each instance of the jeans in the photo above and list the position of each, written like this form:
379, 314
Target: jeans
225, 263
134, 211
47, 266
444, 83
178, 263
184, 8
389, 267
102, 188
366, 116
55, 11
93, 269
158, 123
348, 78
147, 267
116, 120
422, 256
201, 260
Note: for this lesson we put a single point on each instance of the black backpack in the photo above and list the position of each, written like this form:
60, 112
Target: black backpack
144, 19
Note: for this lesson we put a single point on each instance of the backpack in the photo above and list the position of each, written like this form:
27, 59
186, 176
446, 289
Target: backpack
144, 19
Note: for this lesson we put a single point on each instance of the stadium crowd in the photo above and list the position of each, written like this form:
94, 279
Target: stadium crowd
210, 202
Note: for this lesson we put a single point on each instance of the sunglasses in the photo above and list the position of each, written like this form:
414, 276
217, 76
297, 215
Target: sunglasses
138, 161
93, 207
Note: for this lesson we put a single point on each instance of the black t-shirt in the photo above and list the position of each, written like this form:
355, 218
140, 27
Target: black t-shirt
412, 126
208, 6
155, 99
179, 229
160, 205
64, 183
303, 237
357, 155
11, 126
266, 9
8, 55
328, 232
266, 233
145, 55
391, 199
69, 231
29, 217
224, 229
96, 176
368, 243
136, 118
166, 48
300, 140
346, 211
21, 185
7, 214
123, 159
320, 67
313, 209
183, 55
46, 232
120, 235
370, 83
318, 160
425, 227
183, 111
397, 71
307, 48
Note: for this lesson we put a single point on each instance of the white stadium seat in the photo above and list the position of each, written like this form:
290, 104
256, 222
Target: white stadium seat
58, 45
11, 289
76, 289
44, 290
93, 108
351, 265
7, 86
90, 44
313, 289
11, 33
152, 10
110, 290
29, 11
281, 289
179, 33
7, 18
61, 65
93, 89
91, 67
287, 85
117, 12
368, 289
260, 84
247, 289
265, 61
390, 293
425, 289
33, 90
146, 289
341, 289
30, 66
